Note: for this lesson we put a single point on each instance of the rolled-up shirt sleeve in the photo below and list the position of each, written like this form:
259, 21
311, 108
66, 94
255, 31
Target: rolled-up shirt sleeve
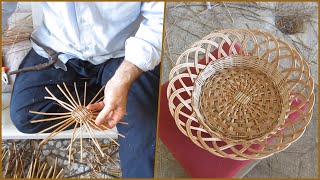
144, 49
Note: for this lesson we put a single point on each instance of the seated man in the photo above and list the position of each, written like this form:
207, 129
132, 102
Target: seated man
104, 43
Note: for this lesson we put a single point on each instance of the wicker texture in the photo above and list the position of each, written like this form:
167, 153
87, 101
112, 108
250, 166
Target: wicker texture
76, 115
238, 105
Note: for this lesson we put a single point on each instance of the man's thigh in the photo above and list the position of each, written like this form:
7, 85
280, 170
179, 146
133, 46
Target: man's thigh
138, 148
29, 92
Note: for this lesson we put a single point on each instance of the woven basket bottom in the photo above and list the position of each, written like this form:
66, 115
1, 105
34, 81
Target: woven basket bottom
241, 98
240, 103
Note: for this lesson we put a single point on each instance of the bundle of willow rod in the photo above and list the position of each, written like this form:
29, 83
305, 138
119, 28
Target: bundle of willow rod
18, 167
102, 167
19, 30
38, 169
78, 114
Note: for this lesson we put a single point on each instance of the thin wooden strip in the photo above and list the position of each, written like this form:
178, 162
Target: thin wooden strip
103, 132
100, 99
59, 129
56, 131
55, 167
73, 132
74, 105
34, 167
85, 93
97, 94
59, 174
9, 36
30, 170
92, 120
50, 114
64, 121
81, 145
91, 134
43, 170
7, 166
15, 169
76, 135
47, 89
56, 99
71, 108
65, 86
21, 170
49, 172
21, 36
76, 90
40, 170
94, 137
50, 119
62, 103
113, 131
9, 41
14, 33
122, 122
4, 155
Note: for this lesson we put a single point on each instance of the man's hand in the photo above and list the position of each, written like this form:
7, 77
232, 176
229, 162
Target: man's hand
116, 92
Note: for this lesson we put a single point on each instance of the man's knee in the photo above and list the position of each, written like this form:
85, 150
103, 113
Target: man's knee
21, 119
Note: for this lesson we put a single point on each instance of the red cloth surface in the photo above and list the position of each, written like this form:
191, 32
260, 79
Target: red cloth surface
197, 162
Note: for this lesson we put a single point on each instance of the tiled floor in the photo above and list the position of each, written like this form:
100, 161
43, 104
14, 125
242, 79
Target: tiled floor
189, 22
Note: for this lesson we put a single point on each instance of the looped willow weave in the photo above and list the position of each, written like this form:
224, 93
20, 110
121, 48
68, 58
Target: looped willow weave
241, 94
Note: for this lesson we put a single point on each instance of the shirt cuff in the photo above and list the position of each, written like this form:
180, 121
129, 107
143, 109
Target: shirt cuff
141, 54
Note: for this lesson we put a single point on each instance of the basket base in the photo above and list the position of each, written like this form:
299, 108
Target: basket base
240, 98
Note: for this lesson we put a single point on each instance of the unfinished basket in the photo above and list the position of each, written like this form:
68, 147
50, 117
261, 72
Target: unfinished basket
253, 100
78, 115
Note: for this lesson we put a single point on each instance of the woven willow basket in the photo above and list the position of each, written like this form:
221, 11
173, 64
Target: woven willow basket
241, 104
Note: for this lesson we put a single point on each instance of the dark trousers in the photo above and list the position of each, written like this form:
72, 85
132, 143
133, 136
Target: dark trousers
136, 150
